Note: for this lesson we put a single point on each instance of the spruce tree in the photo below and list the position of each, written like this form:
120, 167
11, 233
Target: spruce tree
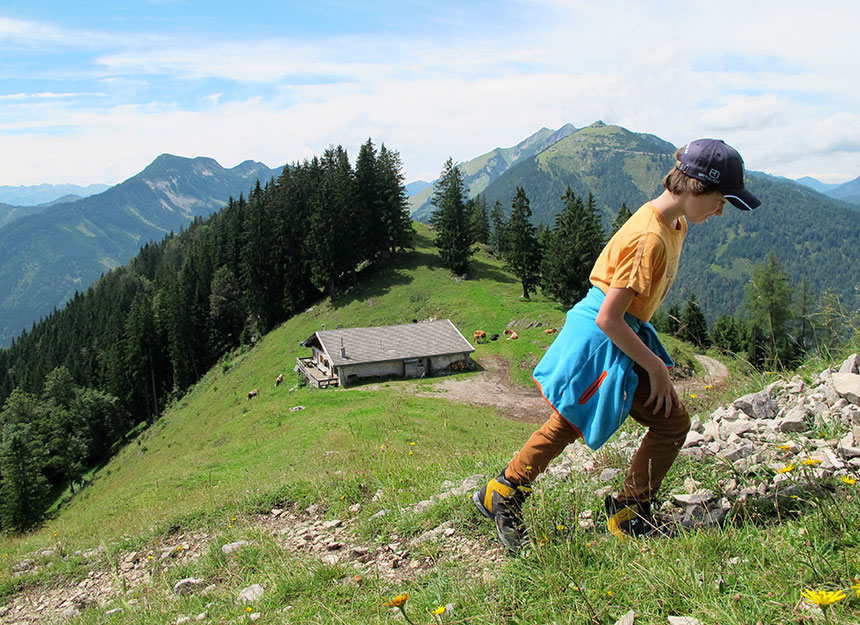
24, 489
396, 220
479, 220
575, 244
694, 328
768, 299
453, 238
620, 219
523, 253
499, 222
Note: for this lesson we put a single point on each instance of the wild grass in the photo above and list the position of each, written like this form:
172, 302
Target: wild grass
216, 461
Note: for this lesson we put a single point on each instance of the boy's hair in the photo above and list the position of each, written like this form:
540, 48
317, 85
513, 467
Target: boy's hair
678, 183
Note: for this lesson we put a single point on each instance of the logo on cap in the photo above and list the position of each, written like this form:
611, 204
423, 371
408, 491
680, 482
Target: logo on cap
715, 174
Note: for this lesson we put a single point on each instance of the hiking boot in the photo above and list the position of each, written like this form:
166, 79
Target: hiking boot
502, 501
634, 518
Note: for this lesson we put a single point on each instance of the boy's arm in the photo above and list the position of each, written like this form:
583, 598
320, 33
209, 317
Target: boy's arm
610, 319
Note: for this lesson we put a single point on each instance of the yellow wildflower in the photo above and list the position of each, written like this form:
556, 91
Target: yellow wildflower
786, 469
692, 396
708, 387
785, 446
412, 443
823, 598
851, 481
248, 609
811, 462
399, 600
439, 611
856, 587
411, 453
609, 592
559, 527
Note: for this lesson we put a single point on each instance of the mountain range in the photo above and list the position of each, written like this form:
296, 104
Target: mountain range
813, 235
49, 254
45, 194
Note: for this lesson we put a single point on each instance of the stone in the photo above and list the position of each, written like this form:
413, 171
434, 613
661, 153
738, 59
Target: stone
188, 585
684, 620
231, 548
251, 594
851, 364
736, 453
793, 421
607, 475
739, 427
694, 439
627, 619
701, 497
796, 385
847, 385
759, 405
696, 424
711, 431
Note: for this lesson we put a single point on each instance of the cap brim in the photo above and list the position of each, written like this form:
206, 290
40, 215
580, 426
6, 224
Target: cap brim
742, 199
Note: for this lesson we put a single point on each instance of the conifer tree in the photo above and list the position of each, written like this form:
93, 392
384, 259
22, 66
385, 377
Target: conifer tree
396, 220
575, 244
479, 220
725, 335
453, 238
498, 236
523, 254
24, 489
768, 299
694, 327
620, 219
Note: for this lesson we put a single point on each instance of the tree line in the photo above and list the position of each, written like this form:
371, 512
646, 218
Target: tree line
137, 339
776, 327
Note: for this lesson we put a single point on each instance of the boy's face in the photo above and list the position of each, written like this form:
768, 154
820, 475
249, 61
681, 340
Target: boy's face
699, 207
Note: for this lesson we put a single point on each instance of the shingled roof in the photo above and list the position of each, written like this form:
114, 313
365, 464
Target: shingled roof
379, 344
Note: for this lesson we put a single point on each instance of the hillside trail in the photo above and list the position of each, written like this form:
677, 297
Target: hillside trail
492, 386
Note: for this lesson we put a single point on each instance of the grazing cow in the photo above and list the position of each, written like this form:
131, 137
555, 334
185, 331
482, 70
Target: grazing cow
279, 380
253, 393
495, 337
550, 331
508, 331
479, 336
513, 336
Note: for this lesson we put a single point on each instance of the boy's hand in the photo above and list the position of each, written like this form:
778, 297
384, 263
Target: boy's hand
663, 394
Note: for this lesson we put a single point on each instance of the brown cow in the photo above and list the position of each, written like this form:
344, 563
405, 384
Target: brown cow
550, 331
253, 393
513, 336
479, 336
279, 380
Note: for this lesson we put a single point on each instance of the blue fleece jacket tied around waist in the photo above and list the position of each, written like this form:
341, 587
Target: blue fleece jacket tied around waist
586, 378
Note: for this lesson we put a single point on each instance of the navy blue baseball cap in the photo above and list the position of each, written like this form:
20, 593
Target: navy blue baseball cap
718, 165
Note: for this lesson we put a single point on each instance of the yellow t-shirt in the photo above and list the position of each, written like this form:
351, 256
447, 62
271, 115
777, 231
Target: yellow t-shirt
643, 255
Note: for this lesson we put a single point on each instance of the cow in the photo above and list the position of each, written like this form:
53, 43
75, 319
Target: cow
279, 380
254, 393
480, 336
513, 335
550, 331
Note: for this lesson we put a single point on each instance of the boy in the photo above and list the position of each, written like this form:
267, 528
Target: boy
607, 361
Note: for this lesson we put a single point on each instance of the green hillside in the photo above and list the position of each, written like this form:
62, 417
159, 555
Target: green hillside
360, 463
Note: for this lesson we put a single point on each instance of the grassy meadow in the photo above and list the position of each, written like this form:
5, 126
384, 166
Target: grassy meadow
216, 461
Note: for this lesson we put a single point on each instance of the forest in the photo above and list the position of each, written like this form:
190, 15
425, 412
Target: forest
77, 382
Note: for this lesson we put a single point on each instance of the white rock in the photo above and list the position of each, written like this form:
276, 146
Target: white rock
732, 454
607, 475
739, 427
188, 585
793, 421
701, 497
848, 386
684, 620
851, 364
627, 619
250, 594
231, 548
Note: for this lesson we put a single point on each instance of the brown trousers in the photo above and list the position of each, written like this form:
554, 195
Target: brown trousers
651, 462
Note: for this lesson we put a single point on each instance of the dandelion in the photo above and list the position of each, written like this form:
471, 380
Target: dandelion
411, 453
786, 469
811, 462
439, 611
413, 445
249, 609
692, 396
851, 481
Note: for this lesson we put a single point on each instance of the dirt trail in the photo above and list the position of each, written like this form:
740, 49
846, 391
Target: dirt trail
493, 387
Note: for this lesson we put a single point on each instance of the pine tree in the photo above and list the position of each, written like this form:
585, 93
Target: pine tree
725, 335
453, 238
620, 219
523, 254
575, 244
479, 220
694, 327
498, 236
396, 220
768, 299
24, 489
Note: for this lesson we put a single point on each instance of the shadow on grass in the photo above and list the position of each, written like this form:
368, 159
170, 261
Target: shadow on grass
384, 379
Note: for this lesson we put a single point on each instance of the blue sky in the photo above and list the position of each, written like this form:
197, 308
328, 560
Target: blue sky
94, 91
